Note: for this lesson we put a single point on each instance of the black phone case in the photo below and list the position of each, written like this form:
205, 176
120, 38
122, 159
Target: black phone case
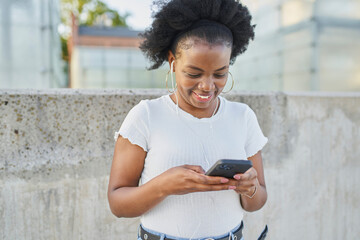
229, 167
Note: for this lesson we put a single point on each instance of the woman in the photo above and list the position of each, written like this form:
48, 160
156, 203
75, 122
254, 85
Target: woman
168, 142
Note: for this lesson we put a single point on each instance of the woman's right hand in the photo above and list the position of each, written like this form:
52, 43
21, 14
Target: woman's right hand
190, 178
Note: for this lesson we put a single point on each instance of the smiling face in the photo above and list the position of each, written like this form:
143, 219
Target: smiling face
201, 73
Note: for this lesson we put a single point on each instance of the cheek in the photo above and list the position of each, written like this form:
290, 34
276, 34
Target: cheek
221, 83
187, 84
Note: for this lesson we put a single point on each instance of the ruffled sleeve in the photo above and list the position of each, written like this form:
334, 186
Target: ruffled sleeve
135, 127
255, 139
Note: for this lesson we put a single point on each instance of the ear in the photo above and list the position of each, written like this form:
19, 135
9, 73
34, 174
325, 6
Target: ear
171, 58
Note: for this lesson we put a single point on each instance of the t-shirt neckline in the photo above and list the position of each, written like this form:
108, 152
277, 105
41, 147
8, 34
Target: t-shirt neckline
189, 116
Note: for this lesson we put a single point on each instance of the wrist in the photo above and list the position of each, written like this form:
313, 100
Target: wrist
158, 188
253, 194
257, 201
253, 191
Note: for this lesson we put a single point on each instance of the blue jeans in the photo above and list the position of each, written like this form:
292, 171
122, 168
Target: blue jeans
163, 236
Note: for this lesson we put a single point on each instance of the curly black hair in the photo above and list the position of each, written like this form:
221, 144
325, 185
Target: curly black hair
224, 21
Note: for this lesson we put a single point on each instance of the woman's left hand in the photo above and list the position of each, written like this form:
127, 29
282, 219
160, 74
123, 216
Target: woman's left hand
246, 183
251, 185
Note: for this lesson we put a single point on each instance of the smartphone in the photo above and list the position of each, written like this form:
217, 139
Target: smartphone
229, 167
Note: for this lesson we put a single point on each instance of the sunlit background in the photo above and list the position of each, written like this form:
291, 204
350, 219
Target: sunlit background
300, 45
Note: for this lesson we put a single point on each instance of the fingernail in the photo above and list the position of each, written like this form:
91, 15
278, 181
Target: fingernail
237, 177
232, 187
224, 180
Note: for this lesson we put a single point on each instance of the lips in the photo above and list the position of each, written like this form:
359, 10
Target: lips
203, 97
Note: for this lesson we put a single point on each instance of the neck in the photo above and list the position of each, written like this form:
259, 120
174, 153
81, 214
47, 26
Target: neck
196, 112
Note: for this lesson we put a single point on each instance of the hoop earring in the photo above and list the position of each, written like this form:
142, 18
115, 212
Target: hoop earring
232, 84
172, 80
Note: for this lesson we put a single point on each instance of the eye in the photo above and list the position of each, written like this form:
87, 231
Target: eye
220, 75
193, 75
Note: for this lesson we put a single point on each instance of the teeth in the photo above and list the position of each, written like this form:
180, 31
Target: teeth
204, 97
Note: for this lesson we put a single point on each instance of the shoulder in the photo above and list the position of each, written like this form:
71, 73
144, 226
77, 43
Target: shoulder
147, 108
238, 110
235, 108
156, 102
146, 104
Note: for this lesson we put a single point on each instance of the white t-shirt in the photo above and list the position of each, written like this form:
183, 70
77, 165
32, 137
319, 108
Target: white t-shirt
173, 137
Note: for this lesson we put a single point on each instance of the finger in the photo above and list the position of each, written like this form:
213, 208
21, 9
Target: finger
249, 174
210, 180
195, 168
238, 176
234, 182
243, 185
214, 187
246, 187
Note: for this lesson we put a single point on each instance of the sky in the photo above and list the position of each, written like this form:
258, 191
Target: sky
139, 9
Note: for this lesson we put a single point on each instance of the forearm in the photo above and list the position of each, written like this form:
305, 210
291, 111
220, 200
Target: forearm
135, 201
256, 202
129, 200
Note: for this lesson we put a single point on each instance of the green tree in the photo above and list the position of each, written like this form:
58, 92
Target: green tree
88, 13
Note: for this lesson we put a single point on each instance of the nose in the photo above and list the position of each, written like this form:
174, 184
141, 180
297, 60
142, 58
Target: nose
207, 84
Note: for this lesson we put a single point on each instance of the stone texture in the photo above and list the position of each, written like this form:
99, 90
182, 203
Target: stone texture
57, 145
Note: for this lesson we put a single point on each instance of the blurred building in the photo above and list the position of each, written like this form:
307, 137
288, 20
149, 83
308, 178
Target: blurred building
302, 45
109, 57
30, 49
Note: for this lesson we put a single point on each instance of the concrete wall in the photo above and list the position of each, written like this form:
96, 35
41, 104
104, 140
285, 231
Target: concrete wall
57, 145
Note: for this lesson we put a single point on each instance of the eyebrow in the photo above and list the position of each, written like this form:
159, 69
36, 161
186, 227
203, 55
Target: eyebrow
199, 69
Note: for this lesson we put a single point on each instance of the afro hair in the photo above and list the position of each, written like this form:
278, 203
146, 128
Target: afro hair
175, 19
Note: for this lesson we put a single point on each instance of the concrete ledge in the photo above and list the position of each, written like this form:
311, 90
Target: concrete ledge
57, 145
